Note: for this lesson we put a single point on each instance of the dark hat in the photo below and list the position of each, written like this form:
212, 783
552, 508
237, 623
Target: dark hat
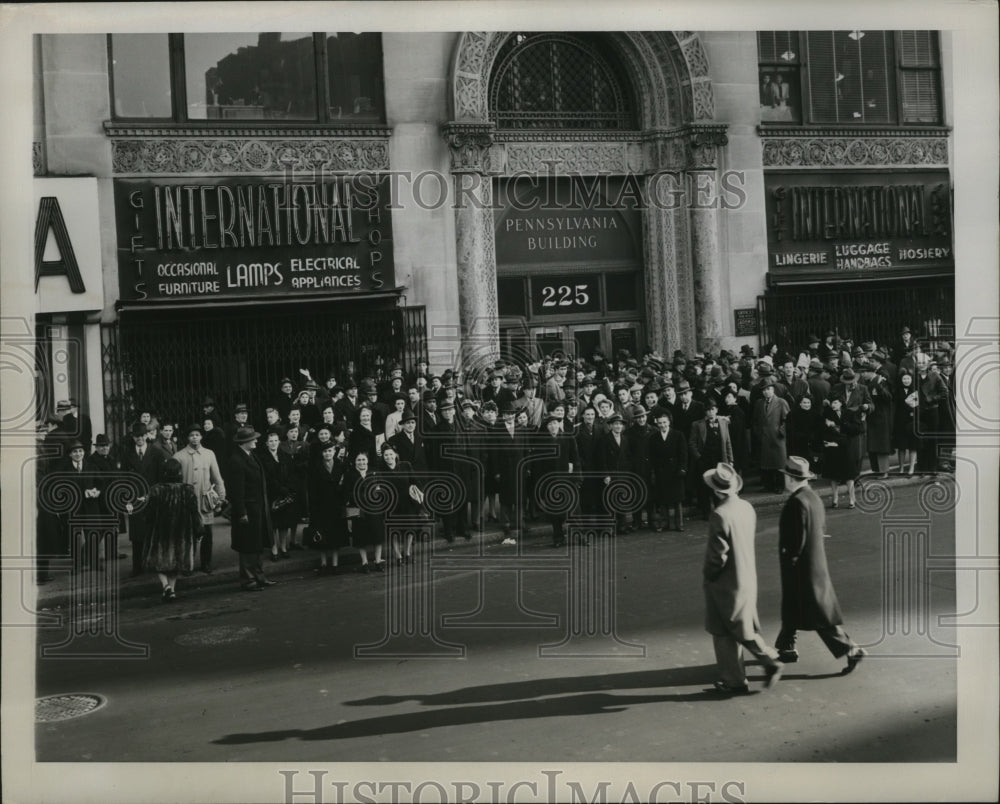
829, 333
813, 338
528, 381
746, 349
368, 387
589, 381
797, 468
138, 430
878, 355
764, 369
468, 403
638, 410
683, 386
653, 386
571, 400
498, 374
847, 374
711, 402
172, 470
76, 443
278, 429
489, 405
408, 416
815, 365
101, 440
312, 385
244, 435
63, 405
331, 375
550, 418
188, 430
768, 382
446, 404
283, 380
905, 331
241, 408
944, 360
659, 411
859, 365
614, 417
723, 478
857, 351
350, 382
508, 407
868, 346
429, 396
208, 402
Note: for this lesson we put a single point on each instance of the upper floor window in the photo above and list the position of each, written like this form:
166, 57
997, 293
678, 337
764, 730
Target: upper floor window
861, 77
295, 77
559, 81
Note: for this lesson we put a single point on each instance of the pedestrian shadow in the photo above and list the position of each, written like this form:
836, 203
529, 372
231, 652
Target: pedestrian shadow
575, 705
542, 687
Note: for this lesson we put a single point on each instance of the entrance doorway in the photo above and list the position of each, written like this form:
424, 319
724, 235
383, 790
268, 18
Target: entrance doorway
580, 340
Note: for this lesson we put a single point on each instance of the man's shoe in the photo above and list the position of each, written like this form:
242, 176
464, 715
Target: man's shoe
265, 582
729, 689
788, 656
252, 587
773, 674
853, 660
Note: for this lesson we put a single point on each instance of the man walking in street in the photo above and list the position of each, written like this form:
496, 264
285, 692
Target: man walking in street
808, 600
200, 469
147, 460
251, 517
730, 585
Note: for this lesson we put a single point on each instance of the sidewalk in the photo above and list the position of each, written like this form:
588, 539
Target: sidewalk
57, 593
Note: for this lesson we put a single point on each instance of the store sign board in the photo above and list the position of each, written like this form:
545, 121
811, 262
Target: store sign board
567, 220
746, 321
230, 238
859, 223
67, 245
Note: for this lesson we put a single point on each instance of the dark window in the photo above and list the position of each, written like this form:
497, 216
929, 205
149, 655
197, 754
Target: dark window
860, 77
511, 297
325, 78
559, 81
140, 75
621, 292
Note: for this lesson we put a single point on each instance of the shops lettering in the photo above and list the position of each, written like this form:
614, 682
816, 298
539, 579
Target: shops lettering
254, 275
567, 241
802, 258
323, 264
561, 224
924, 253
252, 215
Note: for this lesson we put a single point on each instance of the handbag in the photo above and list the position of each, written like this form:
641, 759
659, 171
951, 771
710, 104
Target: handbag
282, 503
211, 502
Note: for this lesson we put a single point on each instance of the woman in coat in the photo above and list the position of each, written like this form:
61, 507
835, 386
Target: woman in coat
835, 461
277, 465
250, 512
804, 423
857, 407
367, 527
738, 433
327, 525
668, 460
363, 437
173, 527
879, 437
407, 496
905, 437
933, 396
214, 439
298, 451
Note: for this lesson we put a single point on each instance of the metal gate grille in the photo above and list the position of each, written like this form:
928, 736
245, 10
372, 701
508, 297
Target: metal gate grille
168, 362
863, 314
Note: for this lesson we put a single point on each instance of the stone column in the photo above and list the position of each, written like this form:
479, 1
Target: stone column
703, 216
475, 248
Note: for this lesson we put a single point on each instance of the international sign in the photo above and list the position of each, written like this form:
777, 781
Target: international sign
833, 225
227, 238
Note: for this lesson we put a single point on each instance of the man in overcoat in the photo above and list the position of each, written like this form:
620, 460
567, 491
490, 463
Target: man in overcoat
668, 462
879, 439
730, 584
251, 515
709, 444
146, 459
200, 469
556, 455
769, 416
505, 455
614, 458
808, 600
448, 443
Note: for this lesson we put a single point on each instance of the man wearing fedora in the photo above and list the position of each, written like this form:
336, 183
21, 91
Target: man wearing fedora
808, 600
769, 415
708, 445
507, 451
448, 443
730, 584
145, 459
250, 512
614, 458
200, 469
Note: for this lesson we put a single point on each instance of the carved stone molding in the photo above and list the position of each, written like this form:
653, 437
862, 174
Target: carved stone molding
703, 143
854, 152
248, 130
38, 157
572, 157
245, 155
470, 146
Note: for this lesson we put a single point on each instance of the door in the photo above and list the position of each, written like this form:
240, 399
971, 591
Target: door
623, 336
586, 339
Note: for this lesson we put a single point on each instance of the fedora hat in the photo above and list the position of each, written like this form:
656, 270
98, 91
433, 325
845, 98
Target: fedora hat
244, 435
76, 443
208, 402
797, 468
408, 416
139, 430
446, 404
614, 417
847, 375
63, 405
683, 386
723, 478
101, 440
188, 430
550, 418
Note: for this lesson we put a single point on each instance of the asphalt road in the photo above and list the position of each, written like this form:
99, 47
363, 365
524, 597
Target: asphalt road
274, 676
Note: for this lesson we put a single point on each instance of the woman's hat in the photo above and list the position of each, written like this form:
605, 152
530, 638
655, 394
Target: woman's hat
245, 435
723, 478
172, 470
797, 468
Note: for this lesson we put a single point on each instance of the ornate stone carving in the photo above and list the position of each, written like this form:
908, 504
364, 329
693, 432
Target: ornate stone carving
470, 146
567, 157
703, 143
852, 152
38, 157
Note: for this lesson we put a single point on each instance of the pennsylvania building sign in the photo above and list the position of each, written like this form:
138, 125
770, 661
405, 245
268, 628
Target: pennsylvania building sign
223, 238
859, 224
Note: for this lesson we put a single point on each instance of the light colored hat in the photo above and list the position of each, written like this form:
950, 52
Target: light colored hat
723, 479
797, 468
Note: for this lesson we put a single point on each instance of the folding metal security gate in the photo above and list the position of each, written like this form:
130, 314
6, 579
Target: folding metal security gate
168, 362
791, 315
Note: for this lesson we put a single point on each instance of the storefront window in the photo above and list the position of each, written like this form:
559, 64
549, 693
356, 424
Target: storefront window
140, 74
354, 76
250, 76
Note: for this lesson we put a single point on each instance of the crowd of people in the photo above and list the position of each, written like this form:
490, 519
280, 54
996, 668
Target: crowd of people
289, 477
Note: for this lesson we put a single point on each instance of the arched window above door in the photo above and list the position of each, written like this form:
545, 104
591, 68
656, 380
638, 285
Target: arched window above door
559, 81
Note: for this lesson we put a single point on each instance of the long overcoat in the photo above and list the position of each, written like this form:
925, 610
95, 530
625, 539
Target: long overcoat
248, 497
730, 571
880, 419
668, 460
808, 600
769, 428
200, 469
506, 456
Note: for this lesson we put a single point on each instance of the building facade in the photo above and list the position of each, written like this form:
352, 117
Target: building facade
240, 206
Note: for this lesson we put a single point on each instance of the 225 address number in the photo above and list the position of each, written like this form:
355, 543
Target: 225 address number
565, 296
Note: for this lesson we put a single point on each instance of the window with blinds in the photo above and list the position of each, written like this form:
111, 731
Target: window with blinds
849, 77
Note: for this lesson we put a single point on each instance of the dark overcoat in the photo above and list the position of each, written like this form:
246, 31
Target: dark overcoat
150, 468
326, 506
278, 475
248, 497
730, 571
506, 455
769, 429
808, 600
880, 419
668, 460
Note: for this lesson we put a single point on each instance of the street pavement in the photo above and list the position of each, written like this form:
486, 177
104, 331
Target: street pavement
483, 670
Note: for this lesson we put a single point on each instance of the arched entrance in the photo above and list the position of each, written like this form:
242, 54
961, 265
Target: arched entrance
672, 148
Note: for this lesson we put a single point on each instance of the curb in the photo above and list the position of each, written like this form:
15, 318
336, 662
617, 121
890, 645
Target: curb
146, 587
